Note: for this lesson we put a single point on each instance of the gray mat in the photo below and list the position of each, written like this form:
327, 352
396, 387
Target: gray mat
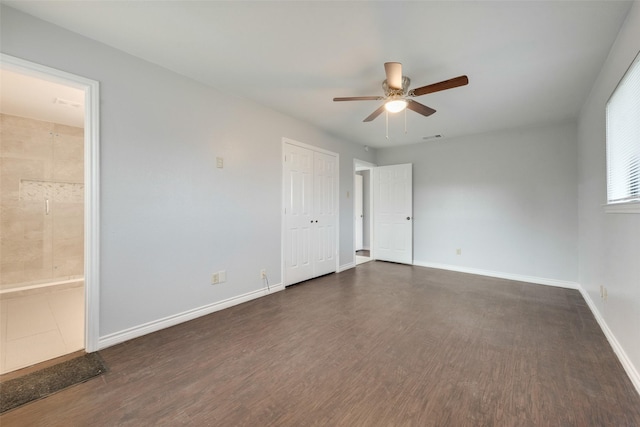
44, 382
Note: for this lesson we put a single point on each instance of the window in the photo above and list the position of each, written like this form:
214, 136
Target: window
623, 139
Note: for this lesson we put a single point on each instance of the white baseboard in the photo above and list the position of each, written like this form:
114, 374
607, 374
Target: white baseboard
631, 370
156, 325
500, 275
347, 266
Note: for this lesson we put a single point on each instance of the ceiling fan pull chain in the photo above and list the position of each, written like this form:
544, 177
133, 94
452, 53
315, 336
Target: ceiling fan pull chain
405, 121
386, 116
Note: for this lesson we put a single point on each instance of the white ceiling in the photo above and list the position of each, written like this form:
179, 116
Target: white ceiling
31, 97
528, 62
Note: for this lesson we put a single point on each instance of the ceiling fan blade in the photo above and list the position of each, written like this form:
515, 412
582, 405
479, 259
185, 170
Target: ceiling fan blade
359, 98
375, 114
444, 85
394, 74
419, 108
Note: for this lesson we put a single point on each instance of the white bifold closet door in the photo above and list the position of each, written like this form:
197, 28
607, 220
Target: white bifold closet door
310, 213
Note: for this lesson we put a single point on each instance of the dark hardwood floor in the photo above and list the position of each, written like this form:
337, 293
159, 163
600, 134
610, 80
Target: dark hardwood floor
378, 345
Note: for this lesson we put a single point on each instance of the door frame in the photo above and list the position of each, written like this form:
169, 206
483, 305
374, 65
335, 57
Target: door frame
359, 165
283, 230
91, 90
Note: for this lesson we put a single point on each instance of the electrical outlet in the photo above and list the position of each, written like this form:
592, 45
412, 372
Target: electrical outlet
215, 278
604, 294
458, 251
263, 274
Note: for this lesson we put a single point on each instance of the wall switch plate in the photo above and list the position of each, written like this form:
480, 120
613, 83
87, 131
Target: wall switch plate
215, 278
458, 251
263, 274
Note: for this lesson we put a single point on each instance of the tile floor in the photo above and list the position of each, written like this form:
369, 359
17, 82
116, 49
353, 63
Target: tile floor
38, 326
362, 257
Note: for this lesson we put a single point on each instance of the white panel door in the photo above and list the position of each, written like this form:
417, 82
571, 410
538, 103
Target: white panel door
325, 213
298, 209
393, 213
359, 186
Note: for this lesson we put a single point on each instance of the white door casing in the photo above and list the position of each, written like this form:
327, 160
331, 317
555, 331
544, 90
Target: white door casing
393, 213
359, 212
310, 213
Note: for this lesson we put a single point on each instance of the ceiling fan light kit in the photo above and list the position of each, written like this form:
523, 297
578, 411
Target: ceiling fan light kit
395, 105
397, 94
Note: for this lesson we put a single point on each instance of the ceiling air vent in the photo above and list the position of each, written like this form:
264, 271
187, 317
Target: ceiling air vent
67, 103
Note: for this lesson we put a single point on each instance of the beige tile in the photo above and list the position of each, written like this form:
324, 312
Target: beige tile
29, 316
33, 349
70, 266
67, 307
11, 225
65, 334
9, 188
3, 322
11, 122
3, 335
21, 250
17, 169
69, 131
68, 158
11, 276
68, 248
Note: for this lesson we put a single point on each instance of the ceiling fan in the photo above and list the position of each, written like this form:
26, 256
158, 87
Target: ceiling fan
397, 94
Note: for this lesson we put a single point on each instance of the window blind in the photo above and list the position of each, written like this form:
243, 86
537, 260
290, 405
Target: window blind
623, 138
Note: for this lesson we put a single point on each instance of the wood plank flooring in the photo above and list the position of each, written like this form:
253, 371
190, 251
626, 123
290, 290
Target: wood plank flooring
378, 345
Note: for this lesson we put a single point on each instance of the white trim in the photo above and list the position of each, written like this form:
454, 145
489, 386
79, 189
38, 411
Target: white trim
286, 140
509, 276
631, 371
166, 322
359, 166
91, 89
622, 208
345, 267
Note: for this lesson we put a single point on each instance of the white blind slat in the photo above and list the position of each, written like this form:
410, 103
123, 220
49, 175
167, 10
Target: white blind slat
623, 138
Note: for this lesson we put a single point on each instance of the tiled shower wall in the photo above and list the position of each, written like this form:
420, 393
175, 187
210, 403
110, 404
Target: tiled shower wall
41, 165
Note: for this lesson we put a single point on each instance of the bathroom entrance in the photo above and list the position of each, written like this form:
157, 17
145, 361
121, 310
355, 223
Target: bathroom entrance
43, 206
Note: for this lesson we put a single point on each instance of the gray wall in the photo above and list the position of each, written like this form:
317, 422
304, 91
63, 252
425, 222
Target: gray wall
507, 199
169, 217
609, 243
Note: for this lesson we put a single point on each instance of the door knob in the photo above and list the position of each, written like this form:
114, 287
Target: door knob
408, 218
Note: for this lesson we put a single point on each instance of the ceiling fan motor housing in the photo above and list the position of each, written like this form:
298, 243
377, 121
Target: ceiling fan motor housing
395, 93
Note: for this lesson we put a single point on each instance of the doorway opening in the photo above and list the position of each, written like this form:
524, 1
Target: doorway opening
49, 224
363, 211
